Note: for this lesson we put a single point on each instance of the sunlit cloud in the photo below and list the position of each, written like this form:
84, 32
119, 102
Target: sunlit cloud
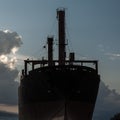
3, 59
14, 50
6, 31
9, 44
8, 61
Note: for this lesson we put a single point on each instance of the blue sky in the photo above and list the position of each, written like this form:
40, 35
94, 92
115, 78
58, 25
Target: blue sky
93, 27
93, 30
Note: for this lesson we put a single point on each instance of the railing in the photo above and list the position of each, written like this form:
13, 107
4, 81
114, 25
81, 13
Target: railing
43, 63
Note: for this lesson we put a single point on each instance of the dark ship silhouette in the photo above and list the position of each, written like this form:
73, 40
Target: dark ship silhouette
58, 89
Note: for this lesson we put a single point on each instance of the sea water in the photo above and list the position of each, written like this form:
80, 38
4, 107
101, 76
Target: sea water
8, 118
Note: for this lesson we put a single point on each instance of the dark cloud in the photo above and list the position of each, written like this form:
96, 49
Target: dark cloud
108, 103
8, 73
8, 87
9, 40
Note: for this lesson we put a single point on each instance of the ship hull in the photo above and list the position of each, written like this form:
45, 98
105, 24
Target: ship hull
76, 110
59, 92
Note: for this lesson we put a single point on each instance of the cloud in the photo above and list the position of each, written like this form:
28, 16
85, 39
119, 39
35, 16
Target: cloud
8, 87
9, 44
108, 103
9, 41
107, 51
113, 56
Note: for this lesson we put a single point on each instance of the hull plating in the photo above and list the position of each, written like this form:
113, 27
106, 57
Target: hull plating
52, 93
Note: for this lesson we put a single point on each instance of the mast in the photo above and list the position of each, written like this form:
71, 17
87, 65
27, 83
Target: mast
61, 35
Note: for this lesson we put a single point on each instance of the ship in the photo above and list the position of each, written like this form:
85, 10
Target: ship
58, 89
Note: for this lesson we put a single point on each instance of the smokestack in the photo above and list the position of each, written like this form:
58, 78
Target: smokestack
50, 50
61, 35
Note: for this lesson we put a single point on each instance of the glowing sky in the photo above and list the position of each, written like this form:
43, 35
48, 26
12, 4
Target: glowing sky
92, 30
8, 108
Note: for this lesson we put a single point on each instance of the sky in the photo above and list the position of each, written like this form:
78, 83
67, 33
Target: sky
92, 31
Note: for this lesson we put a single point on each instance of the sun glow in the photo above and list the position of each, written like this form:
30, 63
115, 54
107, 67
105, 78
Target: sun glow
9, 61
12, 62
9, 108
6, 31
14, 50
3, 59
